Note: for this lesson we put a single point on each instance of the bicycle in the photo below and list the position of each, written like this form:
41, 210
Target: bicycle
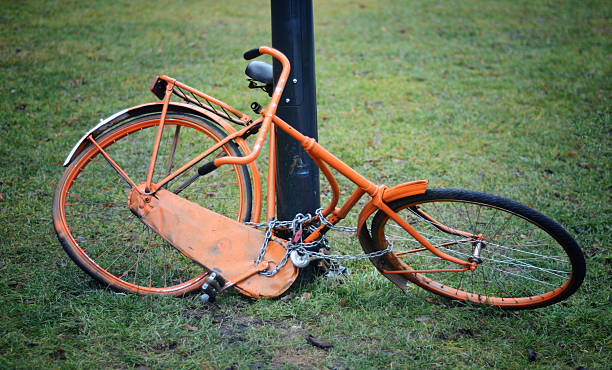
192, 219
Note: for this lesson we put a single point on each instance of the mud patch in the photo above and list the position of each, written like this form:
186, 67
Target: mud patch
233, 329
161, 347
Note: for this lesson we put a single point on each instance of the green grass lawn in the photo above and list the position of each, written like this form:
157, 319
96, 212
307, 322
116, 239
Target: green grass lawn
508, 97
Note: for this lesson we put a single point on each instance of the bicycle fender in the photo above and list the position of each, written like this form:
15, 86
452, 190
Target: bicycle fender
366, 240
398, 191
108, 123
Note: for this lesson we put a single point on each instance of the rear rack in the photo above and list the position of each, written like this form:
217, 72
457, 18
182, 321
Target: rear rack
159, 90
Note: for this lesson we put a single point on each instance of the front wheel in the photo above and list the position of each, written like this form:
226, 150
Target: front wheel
524, 259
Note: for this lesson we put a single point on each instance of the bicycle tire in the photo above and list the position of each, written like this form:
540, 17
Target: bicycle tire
527, 260
102, 236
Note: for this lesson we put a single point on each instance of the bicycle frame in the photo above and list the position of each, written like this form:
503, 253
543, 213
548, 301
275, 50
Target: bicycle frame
268, 119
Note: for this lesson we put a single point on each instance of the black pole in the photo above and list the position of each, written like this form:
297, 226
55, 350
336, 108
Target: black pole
297, 175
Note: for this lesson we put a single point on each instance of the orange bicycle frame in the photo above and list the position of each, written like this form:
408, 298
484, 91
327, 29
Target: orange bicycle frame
323, 158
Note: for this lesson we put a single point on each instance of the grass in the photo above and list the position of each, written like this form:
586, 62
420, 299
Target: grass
508, 97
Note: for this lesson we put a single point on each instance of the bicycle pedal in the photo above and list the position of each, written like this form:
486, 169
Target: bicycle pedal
210, 280
210, 293
213, 285
205, 298
218, 278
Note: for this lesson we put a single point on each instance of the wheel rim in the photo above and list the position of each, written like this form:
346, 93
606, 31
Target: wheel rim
522, 265
103, 234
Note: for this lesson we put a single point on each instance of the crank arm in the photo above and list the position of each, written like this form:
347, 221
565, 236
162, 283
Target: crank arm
215, 284
262, 266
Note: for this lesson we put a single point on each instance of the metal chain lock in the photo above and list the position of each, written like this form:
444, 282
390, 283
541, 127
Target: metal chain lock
301, 253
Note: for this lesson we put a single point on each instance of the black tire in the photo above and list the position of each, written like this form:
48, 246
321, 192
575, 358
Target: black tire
100, 233
527, 260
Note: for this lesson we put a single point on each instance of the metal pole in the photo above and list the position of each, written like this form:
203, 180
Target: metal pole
297, 175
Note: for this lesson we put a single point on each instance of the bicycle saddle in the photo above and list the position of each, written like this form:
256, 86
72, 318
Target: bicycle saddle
260, 71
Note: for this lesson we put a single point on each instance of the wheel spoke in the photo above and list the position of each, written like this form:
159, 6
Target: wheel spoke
522, 276
555, 258
173, 150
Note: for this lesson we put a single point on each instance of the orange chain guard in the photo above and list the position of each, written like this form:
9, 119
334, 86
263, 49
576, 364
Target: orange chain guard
214, 241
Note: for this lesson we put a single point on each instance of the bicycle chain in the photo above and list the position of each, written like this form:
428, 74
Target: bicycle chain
301, 247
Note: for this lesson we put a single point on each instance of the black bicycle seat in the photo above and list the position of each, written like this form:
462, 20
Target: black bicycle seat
260, 71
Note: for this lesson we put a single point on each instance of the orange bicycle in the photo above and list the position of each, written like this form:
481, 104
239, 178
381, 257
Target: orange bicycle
165, 198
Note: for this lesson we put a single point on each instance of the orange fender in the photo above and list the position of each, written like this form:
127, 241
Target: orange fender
398, 191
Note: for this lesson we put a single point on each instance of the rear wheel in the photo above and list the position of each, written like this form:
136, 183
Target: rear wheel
95, 225
525, 260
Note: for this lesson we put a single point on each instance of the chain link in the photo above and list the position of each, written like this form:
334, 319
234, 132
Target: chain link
303, 248
319, 212
345, 257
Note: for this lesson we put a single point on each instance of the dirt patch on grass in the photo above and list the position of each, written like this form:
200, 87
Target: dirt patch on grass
234, 325
233, 329
302, 357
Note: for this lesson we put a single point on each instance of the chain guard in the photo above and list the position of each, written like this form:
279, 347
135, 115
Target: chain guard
216, 242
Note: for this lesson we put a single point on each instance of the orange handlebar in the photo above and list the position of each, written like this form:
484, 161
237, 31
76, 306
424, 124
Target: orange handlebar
282, 79
268, 112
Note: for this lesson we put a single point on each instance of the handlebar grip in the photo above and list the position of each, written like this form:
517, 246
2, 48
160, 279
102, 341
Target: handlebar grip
252, 54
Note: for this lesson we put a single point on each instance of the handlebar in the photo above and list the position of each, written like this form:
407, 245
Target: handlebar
269, 111
251, 54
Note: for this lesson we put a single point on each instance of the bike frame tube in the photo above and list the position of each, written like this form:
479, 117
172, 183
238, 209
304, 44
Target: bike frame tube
160, 131
315, 150
338, 214
443, 227
271, 191
251, 157
424, 242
